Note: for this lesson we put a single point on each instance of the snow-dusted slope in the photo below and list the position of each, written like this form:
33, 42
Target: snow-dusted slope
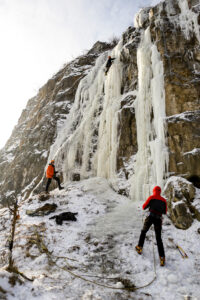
117, 126
99, 245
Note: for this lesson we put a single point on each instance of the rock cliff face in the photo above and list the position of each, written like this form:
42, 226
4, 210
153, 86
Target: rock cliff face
139, 124
179, 53
25, 154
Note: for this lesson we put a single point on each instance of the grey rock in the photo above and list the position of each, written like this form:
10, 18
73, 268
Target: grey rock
42, 211
43, 196
180, 194
76, 177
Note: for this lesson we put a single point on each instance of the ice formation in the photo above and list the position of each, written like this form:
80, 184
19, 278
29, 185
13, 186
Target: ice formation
141, 17
188, 20
108, 135
152, 155
87, 144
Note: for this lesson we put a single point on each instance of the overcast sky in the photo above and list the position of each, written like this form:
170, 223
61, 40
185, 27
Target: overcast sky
38, 36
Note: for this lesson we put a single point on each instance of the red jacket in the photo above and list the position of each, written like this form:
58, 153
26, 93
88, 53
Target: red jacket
156, 203
50, 171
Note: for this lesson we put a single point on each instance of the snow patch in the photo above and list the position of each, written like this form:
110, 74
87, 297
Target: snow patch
195, 151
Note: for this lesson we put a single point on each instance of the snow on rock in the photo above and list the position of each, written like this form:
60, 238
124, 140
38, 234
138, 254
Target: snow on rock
99, 245
141, 17
188, 20
193, 152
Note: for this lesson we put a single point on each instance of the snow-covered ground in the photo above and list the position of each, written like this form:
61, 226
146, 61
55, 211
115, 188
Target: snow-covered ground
100, 244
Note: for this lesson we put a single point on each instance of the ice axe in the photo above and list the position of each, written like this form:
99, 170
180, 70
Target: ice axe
181, 251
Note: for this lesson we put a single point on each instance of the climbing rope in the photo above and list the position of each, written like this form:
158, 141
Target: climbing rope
42, 248
154, 258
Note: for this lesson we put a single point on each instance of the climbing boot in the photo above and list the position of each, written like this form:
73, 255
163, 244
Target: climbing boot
61, 188
138, 249
162, 261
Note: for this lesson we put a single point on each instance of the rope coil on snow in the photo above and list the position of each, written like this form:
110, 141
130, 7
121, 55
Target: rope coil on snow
128, 288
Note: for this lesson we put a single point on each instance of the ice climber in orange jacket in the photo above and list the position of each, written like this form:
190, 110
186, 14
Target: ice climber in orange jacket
51, 173
157, 206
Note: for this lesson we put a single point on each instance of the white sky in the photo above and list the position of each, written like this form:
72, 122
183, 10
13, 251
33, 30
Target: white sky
38, 36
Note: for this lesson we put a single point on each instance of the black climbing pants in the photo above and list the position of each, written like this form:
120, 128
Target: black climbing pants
108, 65
49, 181
157, 222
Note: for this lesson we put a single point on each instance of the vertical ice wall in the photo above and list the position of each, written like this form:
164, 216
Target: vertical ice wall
87, 144
105, 158
152, 155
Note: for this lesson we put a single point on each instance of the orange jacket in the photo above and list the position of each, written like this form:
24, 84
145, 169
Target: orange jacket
50, 171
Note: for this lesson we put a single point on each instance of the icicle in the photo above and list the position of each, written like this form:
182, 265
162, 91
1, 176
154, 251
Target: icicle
188, 20
151, 158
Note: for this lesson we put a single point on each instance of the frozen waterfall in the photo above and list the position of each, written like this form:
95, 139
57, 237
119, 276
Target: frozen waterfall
152, 156
88, 142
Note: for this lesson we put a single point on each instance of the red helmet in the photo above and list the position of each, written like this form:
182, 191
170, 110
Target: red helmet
156, 190
109, 56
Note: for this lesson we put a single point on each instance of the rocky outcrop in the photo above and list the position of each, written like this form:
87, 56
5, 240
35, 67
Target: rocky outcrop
127, 122
43, 196
127, 132
180, 194
179, 51
46, 209
180, 57
179, 48
184, 144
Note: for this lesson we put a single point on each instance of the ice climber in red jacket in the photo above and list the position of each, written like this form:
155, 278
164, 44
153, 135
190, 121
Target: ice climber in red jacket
157, 206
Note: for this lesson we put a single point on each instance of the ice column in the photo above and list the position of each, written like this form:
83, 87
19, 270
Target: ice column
152, 155
108, 135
